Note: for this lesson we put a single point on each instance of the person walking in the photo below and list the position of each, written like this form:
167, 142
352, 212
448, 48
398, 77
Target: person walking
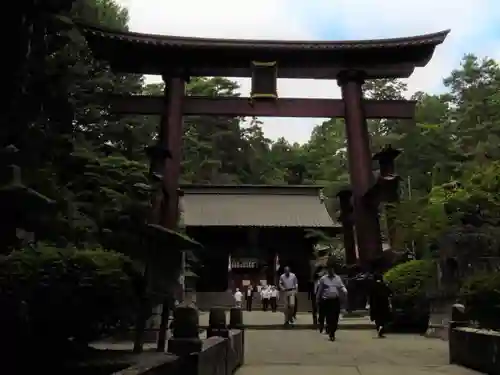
380, 304
314, 302
238, 298
331, 290
289, 285
273, 300
296, 306
249, 297
265, 295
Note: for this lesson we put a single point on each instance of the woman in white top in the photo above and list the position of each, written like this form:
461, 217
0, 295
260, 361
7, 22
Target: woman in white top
273, 300
238, 298
265, 295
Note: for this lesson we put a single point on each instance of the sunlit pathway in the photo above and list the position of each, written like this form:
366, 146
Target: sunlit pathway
356, 352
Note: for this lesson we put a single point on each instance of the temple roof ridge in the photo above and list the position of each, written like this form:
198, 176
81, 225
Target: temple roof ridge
173, 40
252, 189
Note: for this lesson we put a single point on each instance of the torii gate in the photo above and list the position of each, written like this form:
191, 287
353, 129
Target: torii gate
350, 63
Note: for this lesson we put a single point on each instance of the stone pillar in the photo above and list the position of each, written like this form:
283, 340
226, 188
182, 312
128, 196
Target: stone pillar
186, 339
458, 319
360, 167
390, 181
217, 323
345, 218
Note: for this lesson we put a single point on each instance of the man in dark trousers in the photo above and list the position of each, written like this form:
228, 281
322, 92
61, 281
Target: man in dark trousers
331, 290
249, 297
295, 307
380, 305
312, 296
274, 298
289, 284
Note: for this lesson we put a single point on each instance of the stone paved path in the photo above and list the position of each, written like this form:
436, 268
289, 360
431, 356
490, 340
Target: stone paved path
269, 318
356, 352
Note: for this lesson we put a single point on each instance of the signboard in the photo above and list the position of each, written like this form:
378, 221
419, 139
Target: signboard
244, 263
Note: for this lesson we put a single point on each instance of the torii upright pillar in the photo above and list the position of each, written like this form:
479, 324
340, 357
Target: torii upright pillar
345, 218
170, 137
360, 168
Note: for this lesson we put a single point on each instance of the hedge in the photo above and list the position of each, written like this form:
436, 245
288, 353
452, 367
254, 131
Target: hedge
481, 297
54, 296
412, 279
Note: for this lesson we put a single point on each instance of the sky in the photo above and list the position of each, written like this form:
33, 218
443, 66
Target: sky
475, 28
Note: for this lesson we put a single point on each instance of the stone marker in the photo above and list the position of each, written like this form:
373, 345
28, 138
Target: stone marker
186, 338
217, 323
236, 318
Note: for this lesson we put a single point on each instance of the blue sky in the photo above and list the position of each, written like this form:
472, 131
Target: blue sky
475, 29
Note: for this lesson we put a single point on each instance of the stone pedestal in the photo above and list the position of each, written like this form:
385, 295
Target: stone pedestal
217, 323
458, 316
186, 339
236, 318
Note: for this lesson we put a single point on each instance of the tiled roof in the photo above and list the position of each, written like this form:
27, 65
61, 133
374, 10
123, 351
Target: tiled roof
191, 42
256, 206
160, 54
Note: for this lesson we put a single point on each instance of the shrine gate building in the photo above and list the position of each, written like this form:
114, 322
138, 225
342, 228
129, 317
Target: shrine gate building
247, 230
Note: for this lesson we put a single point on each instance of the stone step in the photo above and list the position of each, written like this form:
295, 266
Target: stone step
261, 320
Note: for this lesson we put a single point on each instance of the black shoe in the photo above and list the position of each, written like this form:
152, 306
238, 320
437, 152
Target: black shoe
380, 331
332, 337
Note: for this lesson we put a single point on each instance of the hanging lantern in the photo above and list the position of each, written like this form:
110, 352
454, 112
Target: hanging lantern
264, 80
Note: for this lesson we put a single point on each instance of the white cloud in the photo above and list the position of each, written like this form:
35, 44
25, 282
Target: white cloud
358, 19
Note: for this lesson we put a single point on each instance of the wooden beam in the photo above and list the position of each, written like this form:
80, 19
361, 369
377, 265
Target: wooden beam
284, 107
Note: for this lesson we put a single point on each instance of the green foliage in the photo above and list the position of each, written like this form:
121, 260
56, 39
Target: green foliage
94, 164
411, 280
51, 295
481, 297
455, 182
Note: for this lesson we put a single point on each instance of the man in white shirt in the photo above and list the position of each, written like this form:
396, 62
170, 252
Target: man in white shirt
289, 285
238, 298
331, 290
265, 295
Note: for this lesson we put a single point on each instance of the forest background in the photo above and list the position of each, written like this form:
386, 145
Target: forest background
95, 165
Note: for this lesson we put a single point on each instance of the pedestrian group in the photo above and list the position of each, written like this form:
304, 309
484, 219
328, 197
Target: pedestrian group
328, 296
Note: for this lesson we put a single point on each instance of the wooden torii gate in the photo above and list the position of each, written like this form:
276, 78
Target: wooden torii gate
350, 63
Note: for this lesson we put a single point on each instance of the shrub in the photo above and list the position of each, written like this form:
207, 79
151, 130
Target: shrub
411, 280
481, 297
53, 296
